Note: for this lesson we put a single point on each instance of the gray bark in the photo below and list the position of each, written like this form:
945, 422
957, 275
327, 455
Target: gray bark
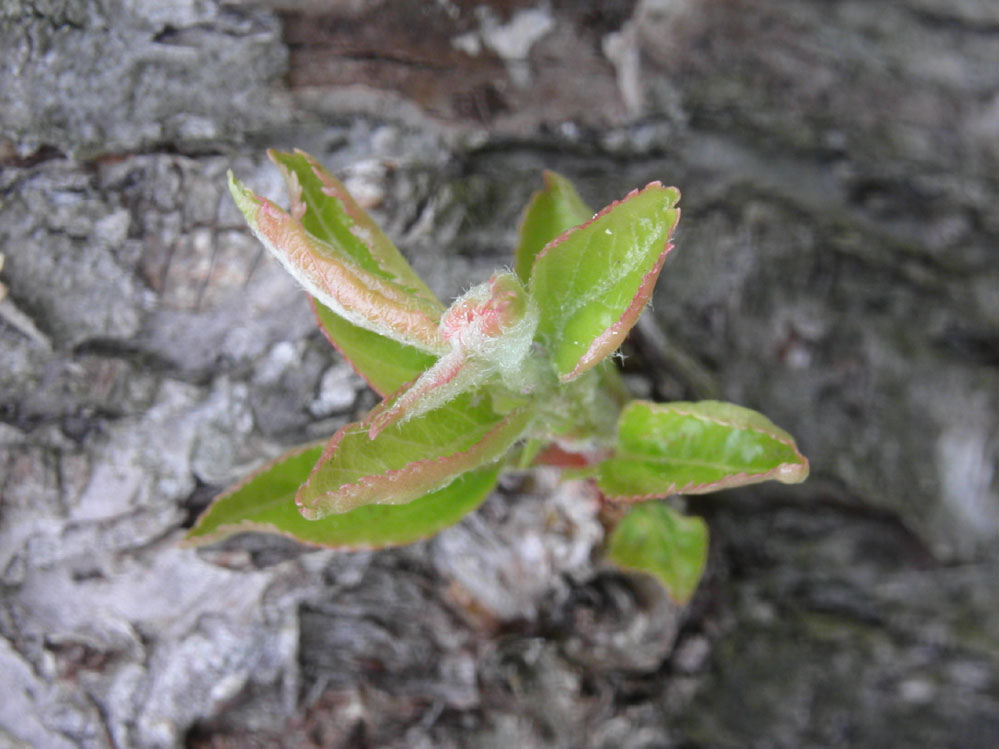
837, 268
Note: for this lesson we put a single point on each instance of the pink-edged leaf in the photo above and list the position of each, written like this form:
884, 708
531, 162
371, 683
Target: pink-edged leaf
265, 502
337, 280
327, 211
607, 342
551, 212
593, 282
695, 448
451, 375
411, 458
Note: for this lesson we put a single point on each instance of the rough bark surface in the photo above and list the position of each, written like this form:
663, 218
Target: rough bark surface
837, 268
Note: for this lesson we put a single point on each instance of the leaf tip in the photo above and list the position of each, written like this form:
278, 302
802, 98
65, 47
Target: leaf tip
246, 200
552, 180
672, 193
235, 186
191, 539
792, 473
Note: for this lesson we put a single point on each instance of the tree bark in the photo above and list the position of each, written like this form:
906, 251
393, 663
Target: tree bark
836, 269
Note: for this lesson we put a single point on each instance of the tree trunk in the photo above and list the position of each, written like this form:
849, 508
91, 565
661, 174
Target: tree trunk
836, 268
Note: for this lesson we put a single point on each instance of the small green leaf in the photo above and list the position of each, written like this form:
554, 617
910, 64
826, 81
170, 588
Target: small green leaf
327, 211
657, 539
385, 364
409, 459
265, 502
693, 448
593, 282
552, 211
336, 279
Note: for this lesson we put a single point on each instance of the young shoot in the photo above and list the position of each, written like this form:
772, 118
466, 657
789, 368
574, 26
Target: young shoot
515, 372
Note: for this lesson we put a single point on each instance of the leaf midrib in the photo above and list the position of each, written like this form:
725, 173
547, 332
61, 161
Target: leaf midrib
655, 460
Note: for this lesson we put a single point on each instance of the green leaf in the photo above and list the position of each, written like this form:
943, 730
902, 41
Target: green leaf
551, 212
336, 279
327, 211
657, 539
694, 448
385, 364
411, 458
265, 502
593, 282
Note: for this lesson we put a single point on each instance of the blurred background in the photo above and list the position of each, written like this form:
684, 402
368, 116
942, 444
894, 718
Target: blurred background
837, 268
